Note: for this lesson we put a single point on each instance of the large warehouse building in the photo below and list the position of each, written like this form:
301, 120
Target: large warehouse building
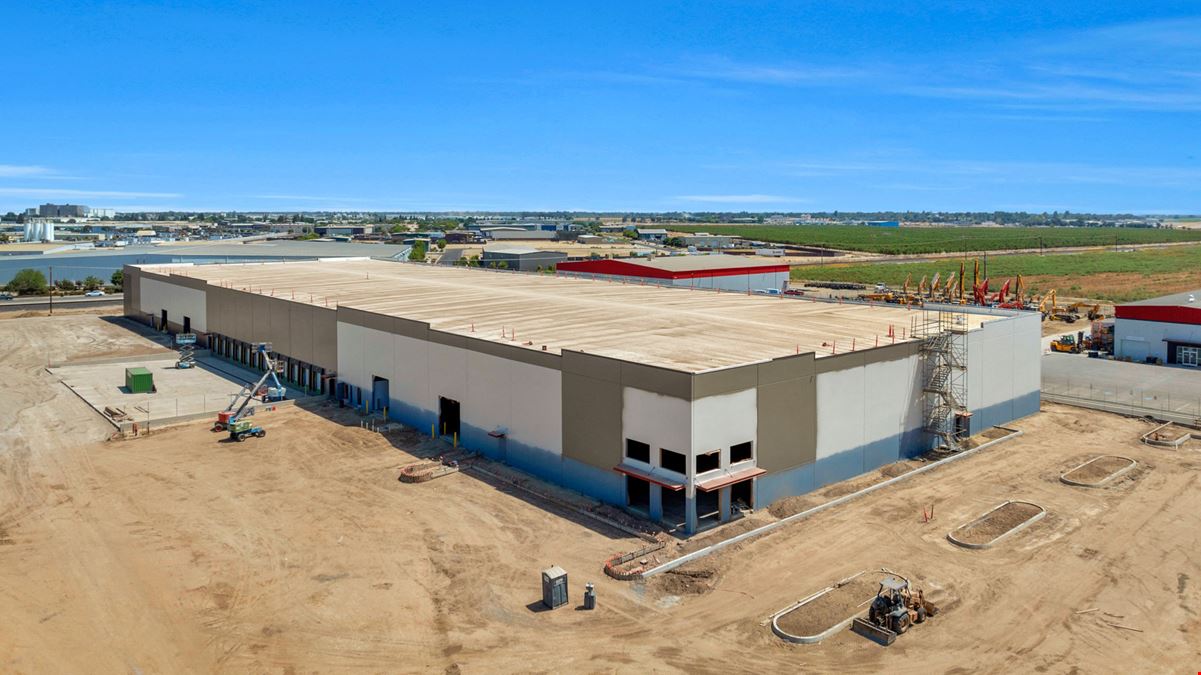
671, 402
1163, 330
723, 272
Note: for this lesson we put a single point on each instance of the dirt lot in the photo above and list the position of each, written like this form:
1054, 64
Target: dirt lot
997, 523
1098, 469
840, 604
301, 552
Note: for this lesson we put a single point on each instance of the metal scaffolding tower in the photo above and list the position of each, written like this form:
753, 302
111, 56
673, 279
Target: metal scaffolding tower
944, 386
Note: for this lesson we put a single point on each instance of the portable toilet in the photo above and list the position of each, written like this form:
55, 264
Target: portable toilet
139, 380
554, 586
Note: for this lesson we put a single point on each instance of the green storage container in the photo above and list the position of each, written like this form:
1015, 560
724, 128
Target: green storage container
139, 381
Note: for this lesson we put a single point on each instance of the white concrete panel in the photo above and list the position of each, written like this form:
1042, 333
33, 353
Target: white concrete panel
721, 421
490, 393
890, 398
657, 420
448, 373
350, 355
1027, 354
412, 384
493, 392
179, 301
524, 399
379, 357
840, 396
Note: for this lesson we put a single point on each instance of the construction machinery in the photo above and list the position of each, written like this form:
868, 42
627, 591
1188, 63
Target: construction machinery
1069, 344
1002, 295
232, 417
980, 293
186, 344
894, 610
243, 429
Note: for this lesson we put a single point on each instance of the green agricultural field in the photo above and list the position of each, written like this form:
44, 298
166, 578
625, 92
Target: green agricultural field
917, 240
1103, 275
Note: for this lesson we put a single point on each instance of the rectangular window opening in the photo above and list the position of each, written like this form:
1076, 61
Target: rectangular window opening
638, 450
742, 452
708, 461
673, 461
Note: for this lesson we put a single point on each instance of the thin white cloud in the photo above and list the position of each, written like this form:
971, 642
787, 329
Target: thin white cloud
308, 198
728, 70
740, 199
23, 171
55, 193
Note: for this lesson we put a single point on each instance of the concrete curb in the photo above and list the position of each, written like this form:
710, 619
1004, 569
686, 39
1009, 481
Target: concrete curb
1013, 530
109, 360
1190, 433
827, 633
1063, 477
697, 555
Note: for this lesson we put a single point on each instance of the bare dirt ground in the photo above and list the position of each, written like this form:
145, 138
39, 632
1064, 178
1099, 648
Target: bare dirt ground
997, 523
838, 605
1098, 469
301, 552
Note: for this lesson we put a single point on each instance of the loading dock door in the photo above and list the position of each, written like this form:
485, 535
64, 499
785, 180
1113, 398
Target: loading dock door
1135, 350
448, 416
379, 393
163, 325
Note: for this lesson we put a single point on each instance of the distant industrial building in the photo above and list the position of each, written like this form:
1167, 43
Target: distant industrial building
521, 259
883, 223
712, 241
722, 272
616, 228
62, 211
71, 211
682, 406
344, 230
655, 234
1166, 329
463, 236
507, 234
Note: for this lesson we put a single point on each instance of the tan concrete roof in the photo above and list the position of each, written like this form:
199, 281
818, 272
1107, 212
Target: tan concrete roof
669, 327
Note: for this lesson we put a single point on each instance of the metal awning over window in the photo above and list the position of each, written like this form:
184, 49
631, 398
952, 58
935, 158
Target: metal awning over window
721, 480
649, 476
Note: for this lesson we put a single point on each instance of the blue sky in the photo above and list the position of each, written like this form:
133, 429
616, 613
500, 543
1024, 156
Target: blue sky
693, 105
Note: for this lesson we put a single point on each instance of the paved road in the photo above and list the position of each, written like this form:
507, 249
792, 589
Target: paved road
75, 301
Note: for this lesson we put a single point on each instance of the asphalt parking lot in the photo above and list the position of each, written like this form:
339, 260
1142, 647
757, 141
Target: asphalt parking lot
1126, 387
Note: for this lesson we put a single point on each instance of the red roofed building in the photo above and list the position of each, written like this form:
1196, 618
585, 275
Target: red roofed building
1167, 328
724, 272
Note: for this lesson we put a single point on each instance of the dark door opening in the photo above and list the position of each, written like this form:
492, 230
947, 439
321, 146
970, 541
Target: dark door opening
379, 393
187, 324
675, 507
708, 510
163, 321
448, 416
742, 495
638, 494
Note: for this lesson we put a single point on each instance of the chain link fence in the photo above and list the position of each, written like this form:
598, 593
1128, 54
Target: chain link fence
1159, 403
